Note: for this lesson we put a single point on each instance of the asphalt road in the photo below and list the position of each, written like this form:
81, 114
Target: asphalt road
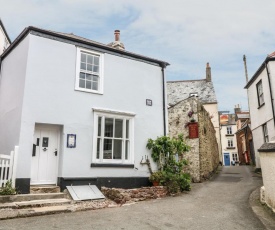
221, 203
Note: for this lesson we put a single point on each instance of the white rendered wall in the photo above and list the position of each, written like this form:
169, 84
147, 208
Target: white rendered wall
12, 81
262, 115
50, 98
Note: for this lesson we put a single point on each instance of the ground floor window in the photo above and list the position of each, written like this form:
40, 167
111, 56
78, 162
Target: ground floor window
235, 157
113, 138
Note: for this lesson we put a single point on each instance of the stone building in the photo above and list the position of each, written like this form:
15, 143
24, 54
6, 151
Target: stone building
203, 156
204, 90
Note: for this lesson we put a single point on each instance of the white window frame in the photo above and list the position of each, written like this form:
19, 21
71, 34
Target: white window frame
101, 72
230, 143
265, 133
260, 93
119, 115
235, 157
229, 130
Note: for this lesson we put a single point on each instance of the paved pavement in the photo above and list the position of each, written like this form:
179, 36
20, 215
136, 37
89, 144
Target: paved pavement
221, 203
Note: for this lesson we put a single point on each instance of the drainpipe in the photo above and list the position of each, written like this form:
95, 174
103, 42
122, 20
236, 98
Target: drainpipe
164, 97
270, 90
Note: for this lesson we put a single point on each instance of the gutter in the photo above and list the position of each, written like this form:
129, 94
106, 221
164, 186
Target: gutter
164, 99
270, 91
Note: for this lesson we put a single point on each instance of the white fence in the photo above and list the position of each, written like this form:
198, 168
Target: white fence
8, 167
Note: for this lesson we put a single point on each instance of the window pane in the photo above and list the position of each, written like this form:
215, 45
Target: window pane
96, 68
109, 127
88, 77
118, 128
95, 86
83, 57
96, 60
117, 149
127, 129
127, 145
95, 78
90, 59
83, 66
81, 83
107, 150
99, 127
82, 75
98, 148
89, 67
88, 84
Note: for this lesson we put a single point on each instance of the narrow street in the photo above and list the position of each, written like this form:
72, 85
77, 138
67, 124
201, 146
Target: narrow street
221, 203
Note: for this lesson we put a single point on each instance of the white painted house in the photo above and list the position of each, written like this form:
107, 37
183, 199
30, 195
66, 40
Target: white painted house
4, 38
80, 111
228, 139
261, 91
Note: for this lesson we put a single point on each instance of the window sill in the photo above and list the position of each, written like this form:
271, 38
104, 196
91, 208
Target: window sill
260, 106
229, 135
89, 91
230, 147
98, 165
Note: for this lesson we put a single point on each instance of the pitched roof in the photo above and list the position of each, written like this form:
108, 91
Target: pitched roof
180, 90
77, 39
3, 28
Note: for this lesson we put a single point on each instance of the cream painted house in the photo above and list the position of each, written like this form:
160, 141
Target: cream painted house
4, 38
204, 90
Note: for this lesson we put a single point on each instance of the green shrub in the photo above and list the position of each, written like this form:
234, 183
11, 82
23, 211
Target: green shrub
8, 189
168, 153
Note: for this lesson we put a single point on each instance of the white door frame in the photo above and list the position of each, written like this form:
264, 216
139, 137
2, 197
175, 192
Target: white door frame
35, 162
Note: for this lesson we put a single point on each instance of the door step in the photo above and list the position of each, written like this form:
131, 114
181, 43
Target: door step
34, 189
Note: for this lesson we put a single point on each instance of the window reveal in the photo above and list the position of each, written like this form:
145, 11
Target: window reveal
260, 93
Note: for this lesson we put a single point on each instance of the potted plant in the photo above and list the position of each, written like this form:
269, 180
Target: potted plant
156, 178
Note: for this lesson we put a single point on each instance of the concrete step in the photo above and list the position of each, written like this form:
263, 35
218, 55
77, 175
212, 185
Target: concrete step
11, 213
44, 189
35, 203
29, 197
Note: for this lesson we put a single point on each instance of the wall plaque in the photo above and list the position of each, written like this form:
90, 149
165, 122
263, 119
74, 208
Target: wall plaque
193, 130
71, 140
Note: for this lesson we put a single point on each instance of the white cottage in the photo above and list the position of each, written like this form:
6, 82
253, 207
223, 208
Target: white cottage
80, 111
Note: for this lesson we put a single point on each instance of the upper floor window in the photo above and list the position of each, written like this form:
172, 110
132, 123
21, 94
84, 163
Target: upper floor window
89, 71
260, 93
230, 143
229, 130
265, 133
113, 138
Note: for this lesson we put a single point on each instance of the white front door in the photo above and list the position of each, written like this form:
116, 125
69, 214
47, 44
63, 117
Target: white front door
45, 155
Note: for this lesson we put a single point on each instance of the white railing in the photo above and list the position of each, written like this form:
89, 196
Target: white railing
8, 167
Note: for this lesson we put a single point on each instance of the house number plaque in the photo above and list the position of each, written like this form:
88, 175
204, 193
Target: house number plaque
71, 140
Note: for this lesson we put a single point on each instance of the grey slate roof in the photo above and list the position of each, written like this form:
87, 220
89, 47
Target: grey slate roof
77, 39
180, 90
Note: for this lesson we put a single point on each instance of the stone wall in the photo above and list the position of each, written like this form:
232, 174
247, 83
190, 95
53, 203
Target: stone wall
122, 196
204, 155
209, 152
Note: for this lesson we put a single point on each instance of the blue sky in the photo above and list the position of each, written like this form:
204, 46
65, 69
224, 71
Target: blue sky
185, 33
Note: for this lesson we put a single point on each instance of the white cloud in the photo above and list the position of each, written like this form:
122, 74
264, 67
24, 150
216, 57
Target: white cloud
183, 32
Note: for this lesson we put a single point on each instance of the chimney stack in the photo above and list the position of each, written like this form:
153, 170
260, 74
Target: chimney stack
117, 35
237, 109
208, 72
117, 44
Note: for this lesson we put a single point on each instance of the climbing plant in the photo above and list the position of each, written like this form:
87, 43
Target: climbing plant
168, 153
